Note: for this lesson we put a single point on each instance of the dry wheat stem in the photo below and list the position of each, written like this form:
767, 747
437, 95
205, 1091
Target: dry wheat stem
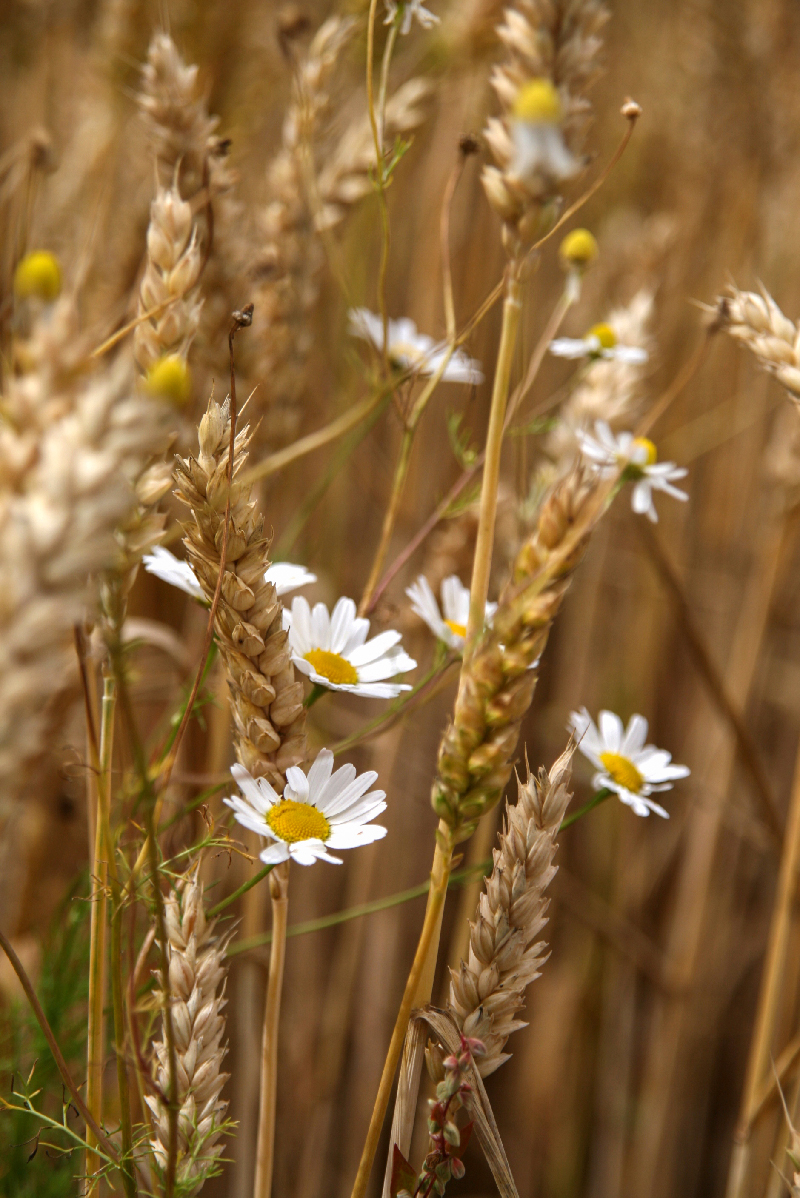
505, 955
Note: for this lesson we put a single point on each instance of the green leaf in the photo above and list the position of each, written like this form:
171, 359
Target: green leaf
403, 1175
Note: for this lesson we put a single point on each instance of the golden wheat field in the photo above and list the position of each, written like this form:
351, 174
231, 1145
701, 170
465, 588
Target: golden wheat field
399, 617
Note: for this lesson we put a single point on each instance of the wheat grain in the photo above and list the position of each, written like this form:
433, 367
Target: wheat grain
505, 955
197, 972
266, 698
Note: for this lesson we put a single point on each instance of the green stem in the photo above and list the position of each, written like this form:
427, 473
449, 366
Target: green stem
401, 470
98, 933
396, 709
314, 695
595, 801
126, 1126
479, 587
226, 902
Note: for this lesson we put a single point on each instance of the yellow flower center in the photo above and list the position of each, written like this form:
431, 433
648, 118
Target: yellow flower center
458, 629
333, 666
403, 352
623, 771
578, 248
293, 821
604, 334
650, 450
168, 378
38, 274
538, 102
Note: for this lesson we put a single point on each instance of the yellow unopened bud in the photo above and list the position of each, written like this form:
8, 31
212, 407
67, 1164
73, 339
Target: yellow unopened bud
604, 334
38, 275
538, 102
578, 249
169, 378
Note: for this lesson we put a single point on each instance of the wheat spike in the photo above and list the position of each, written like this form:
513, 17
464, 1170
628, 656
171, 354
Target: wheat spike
197, 971
757, 321
553, 40
266, 698
71, 450
488, 990
499, 678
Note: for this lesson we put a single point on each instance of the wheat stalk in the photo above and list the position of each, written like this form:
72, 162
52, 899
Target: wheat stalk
266, 699
757, 322
197, 971
505, 956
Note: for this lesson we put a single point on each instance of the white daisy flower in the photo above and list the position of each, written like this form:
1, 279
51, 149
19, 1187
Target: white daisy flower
600, 342
410, 9
449, 624
333, 651
410, 348
624, 762
318, 812
535, 127
637, 458
166, 566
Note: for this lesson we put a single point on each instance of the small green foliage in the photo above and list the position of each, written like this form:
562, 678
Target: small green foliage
461, 441
536, 427
42, 1159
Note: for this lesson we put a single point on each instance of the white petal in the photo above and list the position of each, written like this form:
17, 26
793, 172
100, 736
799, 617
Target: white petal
375, 648
320, 627
296, 784
611, 731
635, 735
351, 839
569, 347
287, 577
319, 774
257, 791
632, 354
386, 667
341, 621
337, 803
273, 854
300, 637
423, 604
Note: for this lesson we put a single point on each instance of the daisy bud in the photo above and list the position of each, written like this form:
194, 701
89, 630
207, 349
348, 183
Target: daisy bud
169, 379
578, 250
38, 276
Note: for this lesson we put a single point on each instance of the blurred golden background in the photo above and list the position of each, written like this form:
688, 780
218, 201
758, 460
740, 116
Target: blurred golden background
628, 1079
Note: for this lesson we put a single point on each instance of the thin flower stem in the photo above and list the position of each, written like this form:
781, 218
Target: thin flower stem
388, 50
379, 172
428, 942
109, 708
314, 695
265, 1151
243, 889
98, 933
397, 709
595, 801
479, 587
91, 1123
398, 483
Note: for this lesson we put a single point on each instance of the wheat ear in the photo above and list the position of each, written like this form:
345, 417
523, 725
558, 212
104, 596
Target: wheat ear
499, 678
556, 41
266, 698
757, 321
488, 989
197, 972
